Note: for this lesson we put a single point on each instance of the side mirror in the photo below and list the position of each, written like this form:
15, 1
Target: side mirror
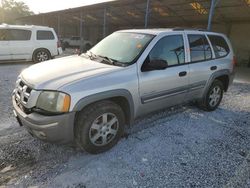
157, 64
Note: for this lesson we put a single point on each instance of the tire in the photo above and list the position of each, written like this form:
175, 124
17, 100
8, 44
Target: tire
99, 127
66, 44
41, 55
87, 47
213, 96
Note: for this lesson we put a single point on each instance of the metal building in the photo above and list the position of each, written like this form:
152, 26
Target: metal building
94, 22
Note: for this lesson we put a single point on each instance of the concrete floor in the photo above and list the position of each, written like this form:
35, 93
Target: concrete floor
242, 74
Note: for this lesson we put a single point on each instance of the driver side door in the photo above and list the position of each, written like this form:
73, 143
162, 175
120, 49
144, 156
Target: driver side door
163, 88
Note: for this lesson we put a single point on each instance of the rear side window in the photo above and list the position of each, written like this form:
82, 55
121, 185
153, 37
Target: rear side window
75, 38
18, 34
45, 35
200, 49
4, 35
220, 46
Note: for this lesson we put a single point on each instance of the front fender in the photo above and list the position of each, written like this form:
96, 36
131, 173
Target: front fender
107, 95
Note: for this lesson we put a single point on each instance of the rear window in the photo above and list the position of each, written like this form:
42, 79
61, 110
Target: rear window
220, 46
45, 35
18, 34
75, 38
200, 49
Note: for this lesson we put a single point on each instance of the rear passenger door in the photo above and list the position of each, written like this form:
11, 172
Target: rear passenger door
21, 45
201, 64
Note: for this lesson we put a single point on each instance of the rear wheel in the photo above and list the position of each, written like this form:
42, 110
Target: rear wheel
213, 96
99, 126
41, 55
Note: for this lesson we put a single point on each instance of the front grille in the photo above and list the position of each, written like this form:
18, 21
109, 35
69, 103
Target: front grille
22, 92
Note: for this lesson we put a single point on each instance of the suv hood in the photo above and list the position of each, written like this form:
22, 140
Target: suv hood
53, 74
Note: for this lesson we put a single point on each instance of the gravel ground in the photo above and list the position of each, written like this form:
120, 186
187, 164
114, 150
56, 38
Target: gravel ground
179, 147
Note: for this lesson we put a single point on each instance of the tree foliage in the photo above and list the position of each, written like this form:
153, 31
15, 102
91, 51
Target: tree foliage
10, 10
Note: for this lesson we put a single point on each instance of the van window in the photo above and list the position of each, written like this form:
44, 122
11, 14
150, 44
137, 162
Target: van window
200, 49
19, 34
220, 46
45, 35
4, 35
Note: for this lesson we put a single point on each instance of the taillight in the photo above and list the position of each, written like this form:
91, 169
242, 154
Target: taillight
59, 45
234, 61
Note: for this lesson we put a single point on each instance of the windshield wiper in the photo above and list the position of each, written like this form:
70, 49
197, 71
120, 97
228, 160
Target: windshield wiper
91, 55
113, 61
106, 59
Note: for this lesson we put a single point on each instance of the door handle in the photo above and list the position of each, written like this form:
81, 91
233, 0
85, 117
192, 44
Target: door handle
183, 73
213, 68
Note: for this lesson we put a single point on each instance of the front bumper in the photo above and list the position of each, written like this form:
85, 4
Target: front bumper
58, 128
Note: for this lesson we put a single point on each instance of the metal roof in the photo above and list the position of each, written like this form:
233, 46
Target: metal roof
164, 13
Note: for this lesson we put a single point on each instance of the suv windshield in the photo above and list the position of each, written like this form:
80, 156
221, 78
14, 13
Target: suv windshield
122, 47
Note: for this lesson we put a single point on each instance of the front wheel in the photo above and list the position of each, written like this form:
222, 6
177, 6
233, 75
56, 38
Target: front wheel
213, 96
99, 126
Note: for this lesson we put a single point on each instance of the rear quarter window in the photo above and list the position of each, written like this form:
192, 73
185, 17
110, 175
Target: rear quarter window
220, 46
45, 35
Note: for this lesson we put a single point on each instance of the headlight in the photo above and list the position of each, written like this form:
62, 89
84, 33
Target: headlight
51, 101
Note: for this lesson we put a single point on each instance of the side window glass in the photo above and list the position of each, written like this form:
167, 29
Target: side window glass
4, 35
45, 35
169, 49
200, 49
18, 34
220, 46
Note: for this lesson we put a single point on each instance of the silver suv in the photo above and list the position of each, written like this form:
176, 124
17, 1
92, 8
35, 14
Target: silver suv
90, 98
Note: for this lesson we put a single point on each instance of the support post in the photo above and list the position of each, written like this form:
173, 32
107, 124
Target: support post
81, 32
211, 13
147, 14
58, 25
43, 20
104, 22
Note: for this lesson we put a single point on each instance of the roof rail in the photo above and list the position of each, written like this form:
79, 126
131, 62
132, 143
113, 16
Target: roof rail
188, 29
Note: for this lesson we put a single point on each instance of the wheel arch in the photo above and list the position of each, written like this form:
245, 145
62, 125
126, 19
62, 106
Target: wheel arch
121, 97
222, 75
225, 80
38, 49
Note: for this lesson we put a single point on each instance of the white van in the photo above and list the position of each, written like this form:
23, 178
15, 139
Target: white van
28, 43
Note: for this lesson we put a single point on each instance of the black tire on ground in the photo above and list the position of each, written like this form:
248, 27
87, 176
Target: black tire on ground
41, 55
213, 96
87, 47
66, 44
99, 126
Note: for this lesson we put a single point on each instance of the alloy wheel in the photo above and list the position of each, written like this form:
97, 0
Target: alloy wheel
214, 96
104, 129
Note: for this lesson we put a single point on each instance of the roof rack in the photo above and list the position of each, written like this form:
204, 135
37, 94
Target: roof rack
188, 29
